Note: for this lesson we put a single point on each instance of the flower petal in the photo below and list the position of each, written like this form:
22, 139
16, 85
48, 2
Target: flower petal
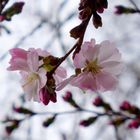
107, 50
79, 60
33, 60
18, 53
84, 81
61, 72
61, 85
113, 67
42, 53
42, 78
18, 64
106, 81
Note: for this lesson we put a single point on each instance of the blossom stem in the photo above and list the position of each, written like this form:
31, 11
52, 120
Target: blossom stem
76, 45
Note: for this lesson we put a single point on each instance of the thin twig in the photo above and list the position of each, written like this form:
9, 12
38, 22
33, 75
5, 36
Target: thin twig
135, 5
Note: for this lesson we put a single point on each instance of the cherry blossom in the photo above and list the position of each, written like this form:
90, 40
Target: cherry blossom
34, 73
98, 66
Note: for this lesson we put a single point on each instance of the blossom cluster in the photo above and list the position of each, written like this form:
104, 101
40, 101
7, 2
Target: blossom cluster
97, 67
34, 66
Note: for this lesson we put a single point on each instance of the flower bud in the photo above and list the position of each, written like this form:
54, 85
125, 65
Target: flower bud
16, 8
46, 95
67, 96
49, 121
97, 20
123, 10
14, 125
134, 124
78, 31
69, 99
125, 105
2, 18
23, 110
98, 101
84, 14
88, 122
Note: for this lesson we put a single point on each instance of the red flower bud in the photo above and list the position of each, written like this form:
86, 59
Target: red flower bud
88, 122
2, 18
125, 105
134, 124
98, 101
23, 110
124, 10
45, 96
67, 96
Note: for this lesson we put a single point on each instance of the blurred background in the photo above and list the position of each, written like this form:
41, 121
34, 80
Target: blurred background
46, 24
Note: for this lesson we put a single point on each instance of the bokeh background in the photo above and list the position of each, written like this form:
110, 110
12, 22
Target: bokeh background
46, 24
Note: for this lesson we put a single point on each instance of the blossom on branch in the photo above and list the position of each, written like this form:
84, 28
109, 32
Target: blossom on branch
98, 66
35, 67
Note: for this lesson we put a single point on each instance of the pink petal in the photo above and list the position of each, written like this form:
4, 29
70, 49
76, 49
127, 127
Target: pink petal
113, 67
79, 60
106, 81
18, 53
84, 81
31, 89
61, 85
57, 79
42, 53
18, 64
18, 60
107, 50
89, 52
61, 72
33, 60
42, 78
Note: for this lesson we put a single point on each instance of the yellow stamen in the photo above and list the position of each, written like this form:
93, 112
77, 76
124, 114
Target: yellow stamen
93, 67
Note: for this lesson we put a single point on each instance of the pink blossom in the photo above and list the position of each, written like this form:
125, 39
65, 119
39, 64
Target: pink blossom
34, 76
100, 65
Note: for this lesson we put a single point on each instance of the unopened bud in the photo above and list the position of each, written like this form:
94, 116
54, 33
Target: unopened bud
134, 124
49, 121
97, 20
88, 122
123, 10
98, 101
67, 96
125, 106
23, 110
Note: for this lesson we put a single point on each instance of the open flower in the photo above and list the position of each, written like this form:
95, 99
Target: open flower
100, 65
34, 66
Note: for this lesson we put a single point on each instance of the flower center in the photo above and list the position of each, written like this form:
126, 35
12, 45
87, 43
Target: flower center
93, 66
31, 77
